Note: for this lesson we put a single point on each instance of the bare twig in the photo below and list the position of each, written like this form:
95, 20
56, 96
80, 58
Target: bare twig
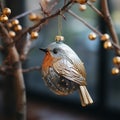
46, 8
24, 14
4, 31
63, 9
109, 22
106, 15
31, 69
84, 22
91, 27
116, 46
95, 9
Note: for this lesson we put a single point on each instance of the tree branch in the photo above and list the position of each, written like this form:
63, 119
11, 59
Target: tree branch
84, 22
18, 84
95, 9
109, 22
31, 69
63, 9
17, 76
91, 27
24, 14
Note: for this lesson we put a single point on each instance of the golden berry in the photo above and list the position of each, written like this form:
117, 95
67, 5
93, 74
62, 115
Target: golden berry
9, 25
6, 11
15, 22
59, 38
81, 1
3, 18
12, 34
34, 35
32, 16
92, 36
116, 60
115, 71
18, 28
82, 7
107, 44
105, 37
35, 17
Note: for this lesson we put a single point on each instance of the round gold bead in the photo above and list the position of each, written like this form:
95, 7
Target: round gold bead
107, 45
9, 25
15, 22
116, 60
59, 38
3, 18
6, 11
105, 37
92, 36
81, 1
18, 28
35, 17
32, 16
82, 7
34, 35
12, 34
115, 71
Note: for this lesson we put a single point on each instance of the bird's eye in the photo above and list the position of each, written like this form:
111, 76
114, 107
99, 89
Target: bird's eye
55, 51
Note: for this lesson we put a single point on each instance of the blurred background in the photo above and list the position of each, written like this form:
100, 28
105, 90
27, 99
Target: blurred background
104, 88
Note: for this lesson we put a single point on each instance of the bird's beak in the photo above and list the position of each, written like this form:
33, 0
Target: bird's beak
44, 50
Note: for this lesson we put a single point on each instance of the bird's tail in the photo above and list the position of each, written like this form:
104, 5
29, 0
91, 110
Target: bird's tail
85, 96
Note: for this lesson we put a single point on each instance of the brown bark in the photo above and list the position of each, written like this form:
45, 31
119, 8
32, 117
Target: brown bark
18, 84
13, 60
109, 22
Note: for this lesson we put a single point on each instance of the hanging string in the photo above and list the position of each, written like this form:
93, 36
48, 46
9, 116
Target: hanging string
59, 36
60, 25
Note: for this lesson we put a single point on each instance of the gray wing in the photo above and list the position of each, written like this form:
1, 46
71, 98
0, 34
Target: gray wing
67, 70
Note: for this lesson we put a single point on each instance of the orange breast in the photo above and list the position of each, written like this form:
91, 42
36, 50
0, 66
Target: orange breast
47, 62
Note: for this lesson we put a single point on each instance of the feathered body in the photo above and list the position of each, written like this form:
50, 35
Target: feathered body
64, 72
